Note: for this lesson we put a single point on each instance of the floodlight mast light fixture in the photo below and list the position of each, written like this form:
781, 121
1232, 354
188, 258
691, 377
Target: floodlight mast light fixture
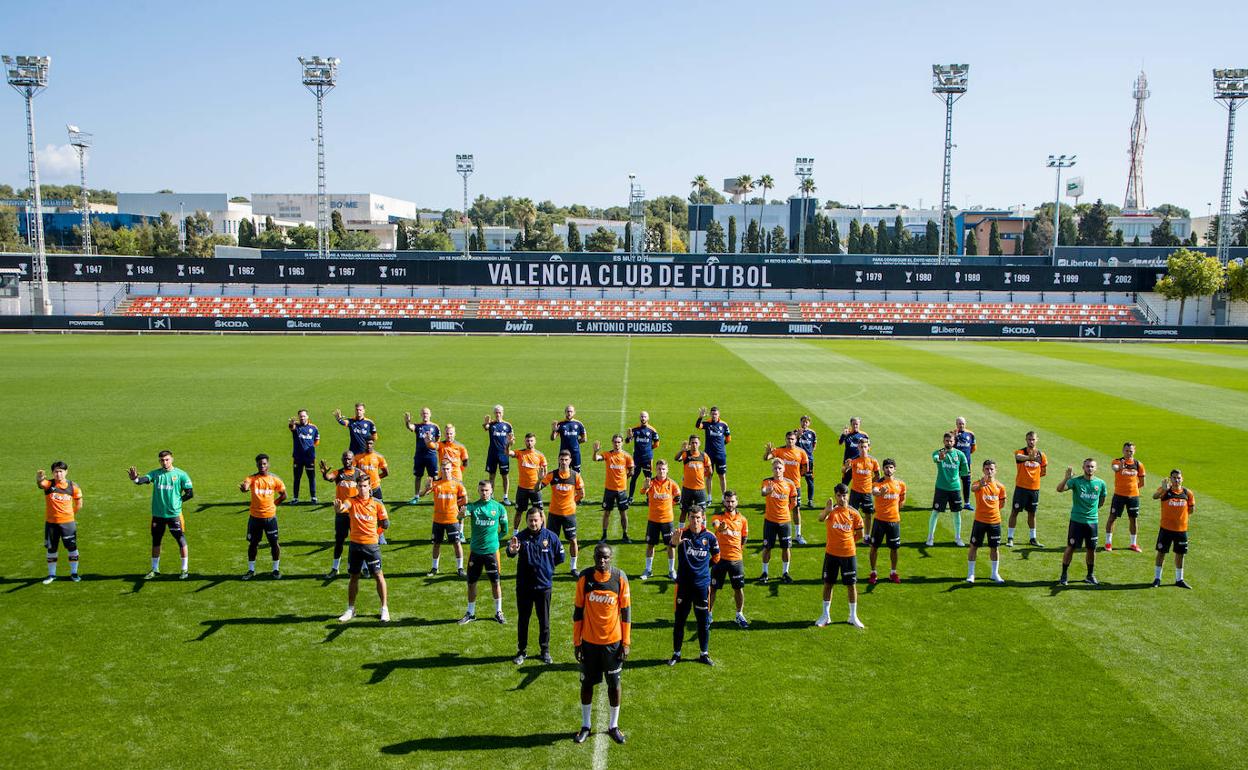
29, 77
803, 169
80, 140
637, 217
320, 75
465, 165
1230, 86
949, 84
1058, 162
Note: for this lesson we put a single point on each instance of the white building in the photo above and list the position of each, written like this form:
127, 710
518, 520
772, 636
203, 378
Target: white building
494, 234
1141, 226
365, 212
225, 215
788, 214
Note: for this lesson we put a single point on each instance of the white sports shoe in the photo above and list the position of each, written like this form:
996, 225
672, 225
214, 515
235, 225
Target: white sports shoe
855, 622
823, 621
385, 614
929, 544
970, 579
959, 543
49, 580
344, 617
998, 579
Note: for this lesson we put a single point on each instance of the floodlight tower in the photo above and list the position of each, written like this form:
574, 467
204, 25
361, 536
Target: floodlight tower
1134, 200
1058, 162
803, 169
637, 216
80, 140
320, 75
465, 165
949, 84
1230, 86
29, 77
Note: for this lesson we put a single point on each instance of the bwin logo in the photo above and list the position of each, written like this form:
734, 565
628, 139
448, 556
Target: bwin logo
734, 328
77, 268
518, 326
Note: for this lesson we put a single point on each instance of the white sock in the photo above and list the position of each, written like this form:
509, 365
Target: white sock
615, 716
251, 566
573, 564
1011, 533
797, 530
786, 567
498, 604
765, 568
892, 572
1109, 538
1033, 533
671, 565
472, 608
186, 560
73, 562
649, 563
995, 573
741, 614
277, 565
853, 610
827, 608
435, 563
931, 525
155, 564
1178, 573
1133, 538
336, 563
459, 562
586, 710
1157, 573
970, 568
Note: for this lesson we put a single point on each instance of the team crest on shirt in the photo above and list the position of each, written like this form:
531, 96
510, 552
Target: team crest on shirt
545, 544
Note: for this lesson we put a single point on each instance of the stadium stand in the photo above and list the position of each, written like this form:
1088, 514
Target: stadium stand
294, 307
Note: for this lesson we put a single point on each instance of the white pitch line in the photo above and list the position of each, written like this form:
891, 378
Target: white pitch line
628, 350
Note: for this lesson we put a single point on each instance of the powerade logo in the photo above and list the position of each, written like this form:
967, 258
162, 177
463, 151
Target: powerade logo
230, 324
294, 324
518, 326
1161, 332
86, 322
805, 329
1016, 330
734, 328
939, 329
446, 326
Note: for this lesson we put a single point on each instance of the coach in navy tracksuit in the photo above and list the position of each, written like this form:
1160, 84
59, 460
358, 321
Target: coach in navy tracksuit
539, 551
697, 549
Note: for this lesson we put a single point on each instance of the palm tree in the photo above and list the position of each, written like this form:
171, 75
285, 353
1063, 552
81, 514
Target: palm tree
525, 214
745, 185
807, 189
699, 184
766, 182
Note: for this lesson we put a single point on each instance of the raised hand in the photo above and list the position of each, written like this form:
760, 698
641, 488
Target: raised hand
134, 473
337, 414
40, 476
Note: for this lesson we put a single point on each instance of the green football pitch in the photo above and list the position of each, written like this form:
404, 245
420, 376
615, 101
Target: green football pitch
215, 672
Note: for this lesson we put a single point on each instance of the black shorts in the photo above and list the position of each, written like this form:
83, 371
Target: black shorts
174, 525
565, 525
1167, 538
615, 499
1079, 535
1025, 499
719, 462
477, 562
981, 530
728, 570
658, 534
360, 555
500, 464
66, 533
1121, 503
886, 532
261, 528
602, 661
773, 531
425, 465
526, 499
810, 464
643, 467
342, 527
690, 498
847, 566
863, 501
576, 462
950, 498
304, 462
452, 533
699, 597
376, 492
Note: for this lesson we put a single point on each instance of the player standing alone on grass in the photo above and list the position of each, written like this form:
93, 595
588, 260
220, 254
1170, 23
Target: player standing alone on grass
1032, 465
796, 463
62, 500
662, 496
489, 522
539, 552
267, 492
619, 468
601, 636
1087, 496
359, 428
731, 530
367, 519
425, 458
567, 489
532, 464
571, 434
170, 488
851, 436
1128, 480
864, 473
840, 555
498, 458
886, 526
450, 499
950, 465
346, 481
717, 437
989, 497
305, 437
697, 549
964, 442
645, 440
807, 439
780, 495
1177, 503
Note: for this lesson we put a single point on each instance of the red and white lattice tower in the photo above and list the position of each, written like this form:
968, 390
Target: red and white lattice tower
1139, 130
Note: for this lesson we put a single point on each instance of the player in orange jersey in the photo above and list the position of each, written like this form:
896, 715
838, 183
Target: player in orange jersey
864, 473
601, 636
841, 554
368, 518
615, 493
731, 530
1177, 503
796, 465
890, 492
567, 490
662, 495
695, 485
62, 500
989, 499
780, 495
1032, 464
1128, 481
375, 466
531, 468
450, 449
267, 492
450, 500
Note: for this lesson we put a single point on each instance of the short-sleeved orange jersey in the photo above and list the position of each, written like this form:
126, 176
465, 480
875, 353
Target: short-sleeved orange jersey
449, 496
1030, 471
842, 522
60, 502
662, 496
530, 462
781, 501
372, 464
602, 608
347, 482
1128, 477
796, 462
989, 500
264, 491
863, 473
1175, 508
888, 496
731, 532
565, 492
457, 453
619, 466
365, 516
697, 468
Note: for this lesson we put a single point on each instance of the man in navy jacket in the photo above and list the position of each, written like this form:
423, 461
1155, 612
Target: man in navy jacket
539, 551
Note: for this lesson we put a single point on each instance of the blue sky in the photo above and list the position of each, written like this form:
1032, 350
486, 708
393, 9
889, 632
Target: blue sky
561, 100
